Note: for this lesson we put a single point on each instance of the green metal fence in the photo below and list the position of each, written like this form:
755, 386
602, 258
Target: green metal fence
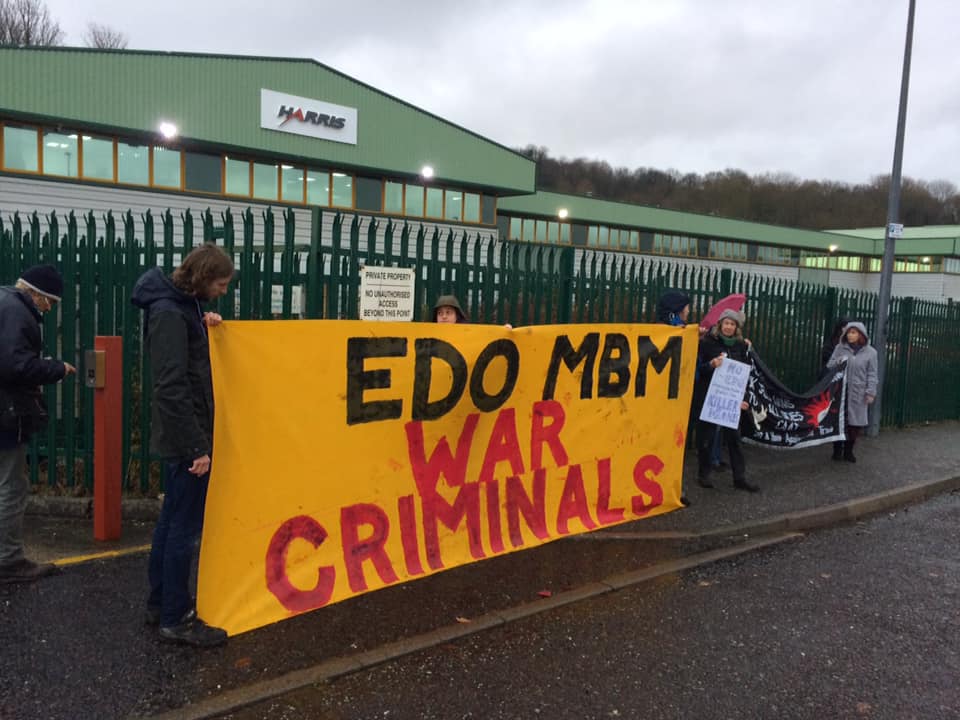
497, 282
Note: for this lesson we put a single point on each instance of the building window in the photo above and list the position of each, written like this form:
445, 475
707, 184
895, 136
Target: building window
413, 201
342, 190
98, 158
453, 207
20, 149
238, 177
515, 229
264, 181
291, 184
434, 202
133, 164
201, 172
60, 154
393, 197
726, 250
471, 207
318, 188
166, 167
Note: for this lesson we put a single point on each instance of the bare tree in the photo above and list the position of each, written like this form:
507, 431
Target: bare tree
28, 22
104, 37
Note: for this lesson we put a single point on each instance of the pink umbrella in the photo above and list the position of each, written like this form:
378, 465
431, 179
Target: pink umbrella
730, 302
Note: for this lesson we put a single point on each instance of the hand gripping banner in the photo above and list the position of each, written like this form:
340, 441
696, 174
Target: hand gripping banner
352, 456
783, 419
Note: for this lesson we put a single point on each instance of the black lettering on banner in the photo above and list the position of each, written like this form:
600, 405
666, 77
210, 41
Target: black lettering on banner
359, 380
498, 348
563, 351
648, 352
618, 365
311, 116
322, 120
426, 350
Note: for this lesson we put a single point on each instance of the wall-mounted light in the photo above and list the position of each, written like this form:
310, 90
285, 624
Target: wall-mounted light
833, 248
167, 129
925, 260
426, 172
562, 213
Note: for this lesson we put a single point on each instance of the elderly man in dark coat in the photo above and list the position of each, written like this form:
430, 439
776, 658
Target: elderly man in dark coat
22, 409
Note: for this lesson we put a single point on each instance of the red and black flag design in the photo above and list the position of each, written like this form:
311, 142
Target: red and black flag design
781, 418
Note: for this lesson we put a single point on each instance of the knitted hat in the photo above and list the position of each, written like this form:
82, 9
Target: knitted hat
449, 301
44, 279
670, 303
738, 317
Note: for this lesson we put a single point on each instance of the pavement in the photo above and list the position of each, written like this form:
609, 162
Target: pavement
800, 489
104, 583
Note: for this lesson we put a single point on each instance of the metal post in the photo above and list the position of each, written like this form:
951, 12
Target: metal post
106, 377
893, 213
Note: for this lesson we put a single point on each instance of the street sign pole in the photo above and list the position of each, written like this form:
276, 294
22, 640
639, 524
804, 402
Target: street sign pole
892, 231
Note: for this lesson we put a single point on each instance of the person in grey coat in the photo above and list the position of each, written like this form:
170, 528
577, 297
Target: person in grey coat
861, 360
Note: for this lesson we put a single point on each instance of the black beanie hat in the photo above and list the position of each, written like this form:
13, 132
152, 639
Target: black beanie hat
44, 279
671, 302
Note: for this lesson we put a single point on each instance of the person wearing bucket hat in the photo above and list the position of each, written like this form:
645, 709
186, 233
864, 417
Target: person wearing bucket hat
447, 310
22, 409
724, 340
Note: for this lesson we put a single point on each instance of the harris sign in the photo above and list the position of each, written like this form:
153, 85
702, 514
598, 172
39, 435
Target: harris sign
306, 116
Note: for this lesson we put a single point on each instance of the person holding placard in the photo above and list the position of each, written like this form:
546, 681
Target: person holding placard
723, 341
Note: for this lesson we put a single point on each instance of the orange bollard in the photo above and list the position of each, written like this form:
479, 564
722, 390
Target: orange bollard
107, 446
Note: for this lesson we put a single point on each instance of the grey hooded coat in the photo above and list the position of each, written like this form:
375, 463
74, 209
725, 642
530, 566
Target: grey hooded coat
861, 374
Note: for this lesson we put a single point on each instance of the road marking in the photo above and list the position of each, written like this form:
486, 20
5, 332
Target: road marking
77, 559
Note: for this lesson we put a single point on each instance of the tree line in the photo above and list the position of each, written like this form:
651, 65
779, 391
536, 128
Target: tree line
778, 199
28, 23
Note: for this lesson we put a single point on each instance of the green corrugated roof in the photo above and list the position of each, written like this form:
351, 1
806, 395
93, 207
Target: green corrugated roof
923, 240
604, 212
216, 99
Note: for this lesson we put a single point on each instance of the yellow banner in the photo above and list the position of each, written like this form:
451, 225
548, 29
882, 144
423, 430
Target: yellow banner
350, 456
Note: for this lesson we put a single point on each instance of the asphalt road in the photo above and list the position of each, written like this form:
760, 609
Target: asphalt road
860, 621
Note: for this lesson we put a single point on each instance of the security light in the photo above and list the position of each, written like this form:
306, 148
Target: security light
168, 130
427, 172
562, 213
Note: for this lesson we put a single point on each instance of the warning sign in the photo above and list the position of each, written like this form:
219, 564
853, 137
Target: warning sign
386, 293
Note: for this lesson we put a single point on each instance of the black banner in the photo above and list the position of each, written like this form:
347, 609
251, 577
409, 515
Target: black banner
783, 419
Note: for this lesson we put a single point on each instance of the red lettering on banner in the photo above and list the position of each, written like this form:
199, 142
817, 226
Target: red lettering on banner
408, 535
573, 502
436, 508
502, 446
493, 516
294, 599
647, 485
541, 434
357, 550
442, 462
605, 514
534, 511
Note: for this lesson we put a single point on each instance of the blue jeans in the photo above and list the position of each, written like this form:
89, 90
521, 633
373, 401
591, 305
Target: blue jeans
175, 540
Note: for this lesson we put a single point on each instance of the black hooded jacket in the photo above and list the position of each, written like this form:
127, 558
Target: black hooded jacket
22, 369
181, 426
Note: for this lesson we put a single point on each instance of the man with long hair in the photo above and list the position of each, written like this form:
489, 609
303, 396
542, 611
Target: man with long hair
181, 430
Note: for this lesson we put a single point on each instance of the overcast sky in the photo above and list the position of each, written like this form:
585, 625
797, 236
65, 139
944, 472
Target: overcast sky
805, 87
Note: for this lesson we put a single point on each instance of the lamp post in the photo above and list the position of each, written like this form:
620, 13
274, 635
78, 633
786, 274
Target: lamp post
891, 232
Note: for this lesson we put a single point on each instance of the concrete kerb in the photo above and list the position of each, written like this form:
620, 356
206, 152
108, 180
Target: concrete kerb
233, 700
837, 513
